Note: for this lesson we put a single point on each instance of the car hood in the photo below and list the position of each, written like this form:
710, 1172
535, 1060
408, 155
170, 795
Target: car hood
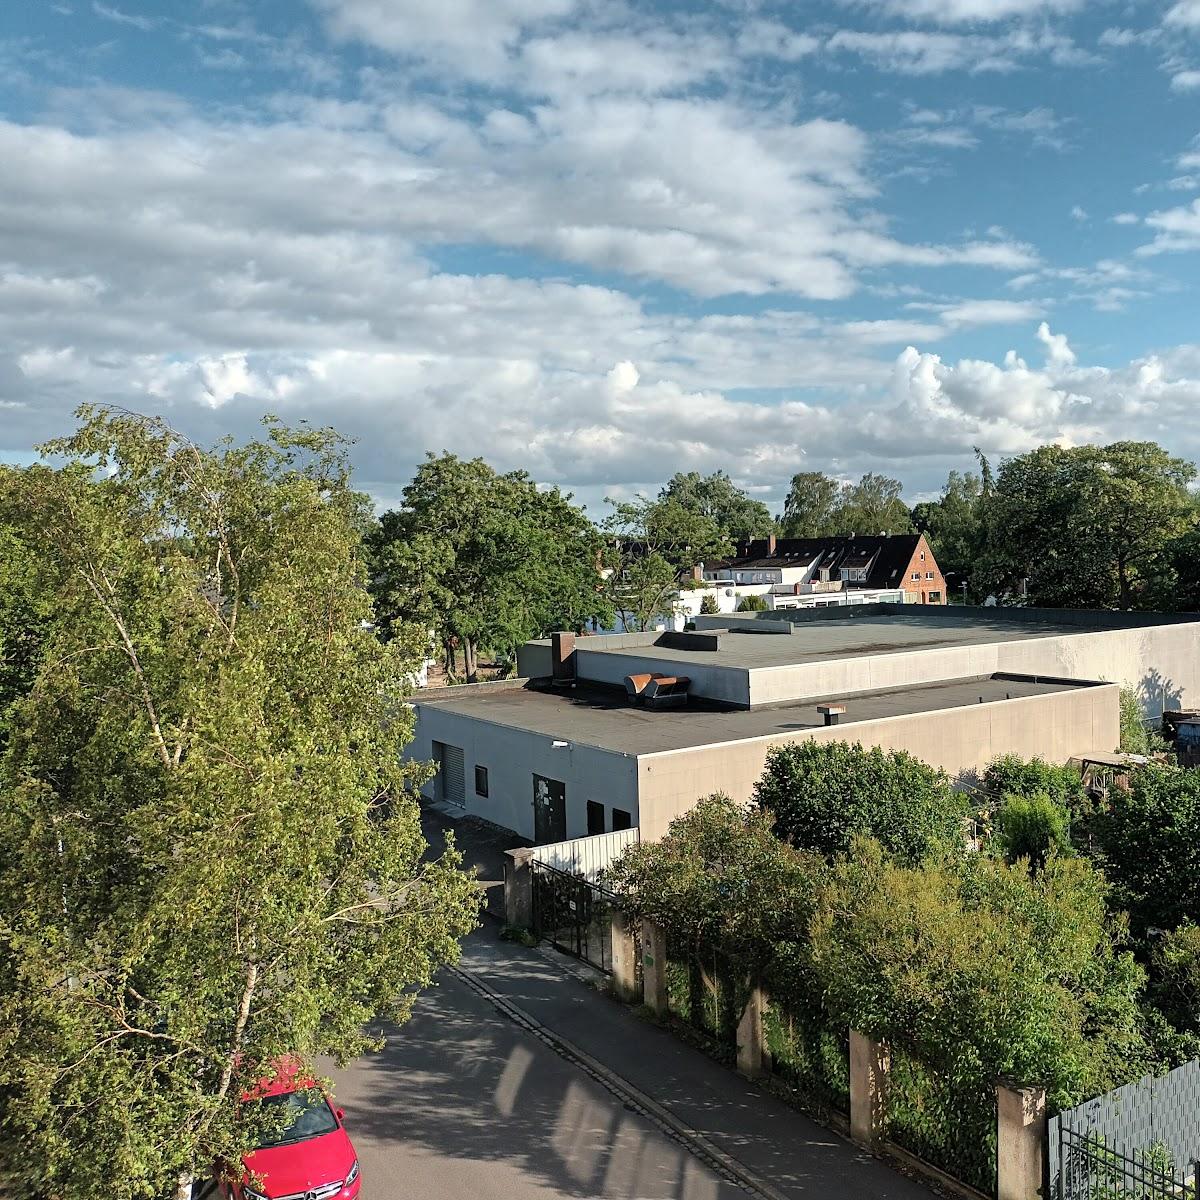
302, 1166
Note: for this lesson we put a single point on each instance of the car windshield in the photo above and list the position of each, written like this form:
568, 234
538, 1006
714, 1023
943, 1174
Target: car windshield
296, 1117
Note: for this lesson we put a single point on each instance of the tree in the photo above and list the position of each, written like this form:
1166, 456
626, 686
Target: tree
1087, 526
650, 545
709, 606
822, 794
752, 604
811, 505
953, 524
983, 971
1032, 827
1135, 737
210, 854
1012, 775
737, 517
720, 880
1148, 843
872, 506
487, 559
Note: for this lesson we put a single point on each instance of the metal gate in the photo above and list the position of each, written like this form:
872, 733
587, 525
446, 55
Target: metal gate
1140, 1141
573, 915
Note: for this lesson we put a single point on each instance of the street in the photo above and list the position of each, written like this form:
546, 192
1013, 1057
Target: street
462, 1104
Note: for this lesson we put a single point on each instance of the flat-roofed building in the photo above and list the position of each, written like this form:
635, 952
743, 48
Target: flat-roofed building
565, 751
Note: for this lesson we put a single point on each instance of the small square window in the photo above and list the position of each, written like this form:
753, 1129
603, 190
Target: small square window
922, 555
621, 819
916, 576
928, 574
481, 781
595, 817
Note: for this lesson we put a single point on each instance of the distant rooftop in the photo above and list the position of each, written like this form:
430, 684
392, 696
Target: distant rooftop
597, 716
807, 641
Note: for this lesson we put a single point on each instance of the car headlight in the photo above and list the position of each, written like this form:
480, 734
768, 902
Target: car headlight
353, 1173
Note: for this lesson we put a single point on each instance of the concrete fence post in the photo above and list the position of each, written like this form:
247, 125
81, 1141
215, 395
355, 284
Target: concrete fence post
654, 968
869, 1065
518, 888
1020, 1142
750, 1041
624, 960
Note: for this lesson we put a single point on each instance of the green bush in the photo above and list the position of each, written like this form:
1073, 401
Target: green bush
1012, 775
822, 794
1032, 827
1135, 737
753, 604
709, 606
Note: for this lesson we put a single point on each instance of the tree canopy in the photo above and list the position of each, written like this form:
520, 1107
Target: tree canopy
821, 795
819, 506
210, 855
489, 559
736, 516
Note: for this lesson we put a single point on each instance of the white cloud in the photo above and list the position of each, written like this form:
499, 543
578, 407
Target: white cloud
1126, 218
932, 52
1078, 213
145, 24
974, 11
1178, 229
1185, 14
1185, 81
1058, 350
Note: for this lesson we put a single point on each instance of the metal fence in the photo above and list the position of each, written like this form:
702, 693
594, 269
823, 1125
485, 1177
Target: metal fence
575, 916
1139, 1141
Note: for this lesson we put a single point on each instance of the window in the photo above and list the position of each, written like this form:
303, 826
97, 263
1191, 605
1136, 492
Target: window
595, 817
481, 781
621, 819
935, 597
922, 555
928, 574
916, 576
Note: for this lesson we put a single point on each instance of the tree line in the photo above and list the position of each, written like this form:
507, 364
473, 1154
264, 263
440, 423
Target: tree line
487, 560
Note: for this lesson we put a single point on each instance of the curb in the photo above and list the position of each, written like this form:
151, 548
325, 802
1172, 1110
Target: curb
664, 1120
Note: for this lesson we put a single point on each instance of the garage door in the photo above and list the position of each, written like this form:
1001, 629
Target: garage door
451, 773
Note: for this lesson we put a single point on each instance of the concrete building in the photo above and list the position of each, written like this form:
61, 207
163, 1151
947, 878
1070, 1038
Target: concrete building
954, 686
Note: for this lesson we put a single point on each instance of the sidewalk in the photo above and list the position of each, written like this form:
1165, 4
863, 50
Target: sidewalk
789, 1151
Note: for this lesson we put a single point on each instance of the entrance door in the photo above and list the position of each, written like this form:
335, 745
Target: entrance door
450, 783
549, 810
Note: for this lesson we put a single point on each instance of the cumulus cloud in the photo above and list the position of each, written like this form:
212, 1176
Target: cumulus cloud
1184, 15
958, 12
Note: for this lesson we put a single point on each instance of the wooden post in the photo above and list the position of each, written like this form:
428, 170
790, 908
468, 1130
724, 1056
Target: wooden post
869, 1064
518, 888
750, 1057
624, 960
1020, 1142
654, 968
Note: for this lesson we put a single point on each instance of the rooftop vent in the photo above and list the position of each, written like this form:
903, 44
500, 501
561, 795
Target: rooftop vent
831, 712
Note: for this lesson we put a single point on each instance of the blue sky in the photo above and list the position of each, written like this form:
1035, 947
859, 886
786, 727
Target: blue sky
607, 242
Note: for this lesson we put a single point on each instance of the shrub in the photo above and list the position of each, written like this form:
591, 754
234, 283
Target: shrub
821, 794
1135, 737
752, 604
1012, 775
983, 970
709, 606
1032, 827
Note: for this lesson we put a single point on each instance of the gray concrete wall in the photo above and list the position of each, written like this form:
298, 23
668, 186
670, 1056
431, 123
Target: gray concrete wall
1160, 662
513, 757
534, 660
728, 684
1054, 726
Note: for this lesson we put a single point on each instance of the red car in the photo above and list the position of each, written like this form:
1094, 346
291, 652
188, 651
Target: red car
311, 1158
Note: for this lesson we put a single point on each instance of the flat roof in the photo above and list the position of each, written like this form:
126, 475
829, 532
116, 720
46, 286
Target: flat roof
591, 715
847, 637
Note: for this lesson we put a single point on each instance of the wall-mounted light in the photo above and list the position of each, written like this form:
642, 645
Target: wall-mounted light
557, 745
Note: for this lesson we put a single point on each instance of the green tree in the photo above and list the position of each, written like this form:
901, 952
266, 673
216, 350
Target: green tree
823, 794
720, 880
1032, 827
1135, 737
487, 559
716, 497
1148, 842
811, 506
953, 525
983, 971
1086, 526
873, 505
1012, 775
709, 606
1175, 975
651, 545
210, 854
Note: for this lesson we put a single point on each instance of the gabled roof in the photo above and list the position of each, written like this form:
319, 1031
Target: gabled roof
885, 557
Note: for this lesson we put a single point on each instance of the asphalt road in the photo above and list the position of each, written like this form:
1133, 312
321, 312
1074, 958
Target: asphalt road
462, 1104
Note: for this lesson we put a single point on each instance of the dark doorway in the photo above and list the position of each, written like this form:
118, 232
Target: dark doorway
621, 819
595, 815
549, 810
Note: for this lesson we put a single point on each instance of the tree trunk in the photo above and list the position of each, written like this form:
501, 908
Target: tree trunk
451, 660
470, 665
